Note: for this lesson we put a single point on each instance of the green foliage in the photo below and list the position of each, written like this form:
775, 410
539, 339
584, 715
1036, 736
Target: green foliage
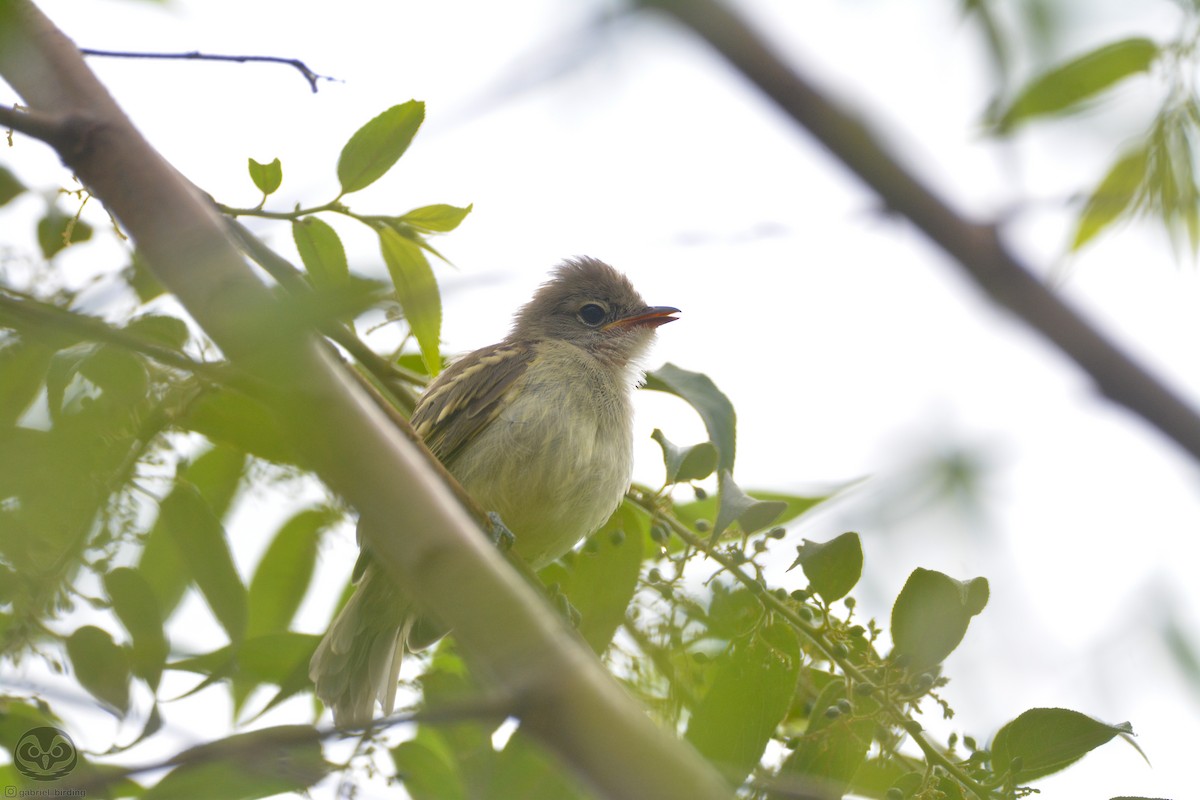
128, 443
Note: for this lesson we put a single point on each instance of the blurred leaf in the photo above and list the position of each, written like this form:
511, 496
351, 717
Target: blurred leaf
1063, 88
834, 746
23, 366
322, 252
56, 230
118, 373
685, 464
439, 218
749, 696
378, 145
710, 403
526, 771
230, 417
931, 615
1046, 740
141, 279
216, 474
417, 291
135, 605
427, 768
10, 187
160, 329
198, 533
246, 766
282, 577
601, 578
832, 568
100, 666
1112, 196
267, 177
749, 513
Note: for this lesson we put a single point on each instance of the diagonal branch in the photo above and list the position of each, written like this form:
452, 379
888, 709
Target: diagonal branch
977, 247
561, 692
193, 55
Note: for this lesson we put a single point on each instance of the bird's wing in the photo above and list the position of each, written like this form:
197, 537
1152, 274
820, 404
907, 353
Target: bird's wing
468, 396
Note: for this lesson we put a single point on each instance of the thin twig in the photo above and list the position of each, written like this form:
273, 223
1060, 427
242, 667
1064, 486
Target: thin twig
976, 246
309, 75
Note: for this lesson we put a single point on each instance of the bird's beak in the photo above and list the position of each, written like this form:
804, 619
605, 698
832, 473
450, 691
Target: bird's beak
650, 317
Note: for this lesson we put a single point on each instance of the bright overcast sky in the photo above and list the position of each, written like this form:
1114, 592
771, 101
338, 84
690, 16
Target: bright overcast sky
849, 346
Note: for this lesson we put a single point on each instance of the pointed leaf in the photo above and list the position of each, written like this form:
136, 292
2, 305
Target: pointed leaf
749, 696
710, 403
56, 230
322, 252
232, 418
1112, 196
10, 187
832, 568
737, 506
378, 145
135, 605
118, 373
428, 769
1065, 87
201, 540
417, 291
267, 177
1046, 740
160, 329
100, 666
931, 615
281, 579
439, 218
686, 464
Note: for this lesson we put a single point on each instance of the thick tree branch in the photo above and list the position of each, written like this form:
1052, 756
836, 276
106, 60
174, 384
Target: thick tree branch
977, 247
560, 691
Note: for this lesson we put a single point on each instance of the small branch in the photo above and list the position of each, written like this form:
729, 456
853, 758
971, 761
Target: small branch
309, 75
977, 247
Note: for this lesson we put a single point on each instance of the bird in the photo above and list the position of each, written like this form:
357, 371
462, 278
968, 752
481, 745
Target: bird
538, 429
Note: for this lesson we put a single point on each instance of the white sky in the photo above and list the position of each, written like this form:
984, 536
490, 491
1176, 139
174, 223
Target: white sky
848, 345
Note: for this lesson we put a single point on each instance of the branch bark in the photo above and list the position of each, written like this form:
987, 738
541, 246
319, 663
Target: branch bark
560, 691
976, 246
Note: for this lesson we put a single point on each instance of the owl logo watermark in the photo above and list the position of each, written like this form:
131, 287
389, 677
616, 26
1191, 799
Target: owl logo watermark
45, 754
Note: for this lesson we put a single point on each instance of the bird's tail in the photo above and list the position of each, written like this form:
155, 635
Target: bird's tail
358, 661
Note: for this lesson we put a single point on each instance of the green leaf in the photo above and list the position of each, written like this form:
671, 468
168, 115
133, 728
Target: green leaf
706, 509
10, 187
246, 766
56, 230
710, 403
160, 329
232, 418
749, 696
119, 374
266, 177
200, 537
833, 567
322, 252
23, 366
737, 506
100, 666
427, 768
417, 291
686, 464
135, 605
600, 580
378, 145
1112, 196
281, 579
835, 744
438, 218
1063, 88
1046, 740
931, 615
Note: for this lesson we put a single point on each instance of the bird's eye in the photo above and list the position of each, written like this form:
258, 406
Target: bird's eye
591, 315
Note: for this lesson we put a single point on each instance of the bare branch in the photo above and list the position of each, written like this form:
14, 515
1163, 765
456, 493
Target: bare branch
976, 246
309, 75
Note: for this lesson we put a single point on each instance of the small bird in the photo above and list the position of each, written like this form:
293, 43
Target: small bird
539, 430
